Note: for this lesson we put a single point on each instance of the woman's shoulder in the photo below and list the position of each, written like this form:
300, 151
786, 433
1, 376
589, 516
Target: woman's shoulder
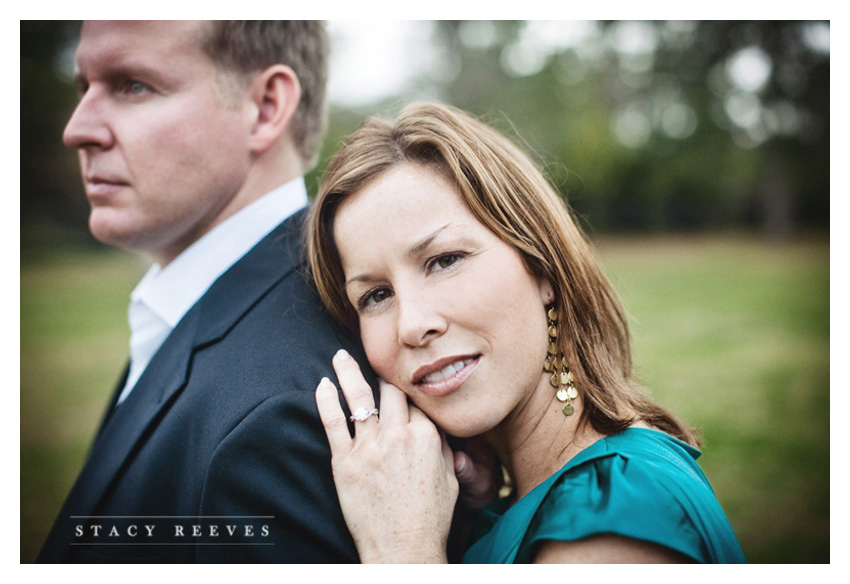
645, 449
641, 484
636, 441
635, 467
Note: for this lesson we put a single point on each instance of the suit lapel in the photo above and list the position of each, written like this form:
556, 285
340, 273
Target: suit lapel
223, 305
120, 434
113, 401
249, 280
127, 422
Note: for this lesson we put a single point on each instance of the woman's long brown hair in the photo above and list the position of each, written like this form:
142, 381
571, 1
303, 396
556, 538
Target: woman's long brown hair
509, 195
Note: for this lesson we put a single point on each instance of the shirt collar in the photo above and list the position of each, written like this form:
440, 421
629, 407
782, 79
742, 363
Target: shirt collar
171, 291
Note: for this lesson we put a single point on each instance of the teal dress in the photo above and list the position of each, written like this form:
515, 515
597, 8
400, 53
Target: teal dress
640, 483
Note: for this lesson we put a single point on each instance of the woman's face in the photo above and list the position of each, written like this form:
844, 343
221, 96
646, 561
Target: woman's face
448, 312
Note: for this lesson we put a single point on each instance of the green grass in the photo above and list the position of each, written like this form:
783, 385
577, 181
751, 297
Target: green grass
730, 333
74, 337
733, 335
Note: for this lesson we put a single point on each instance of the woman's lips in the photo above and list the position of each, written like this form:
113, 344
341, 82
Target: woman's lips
445, 376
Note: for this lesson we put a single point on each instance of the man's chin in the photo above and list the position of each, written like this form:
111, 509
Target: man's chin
110, 232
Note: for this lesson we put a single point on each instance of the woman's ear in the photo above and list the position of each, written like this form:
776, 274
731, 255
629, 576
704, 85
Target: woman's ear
275, 93
547, 293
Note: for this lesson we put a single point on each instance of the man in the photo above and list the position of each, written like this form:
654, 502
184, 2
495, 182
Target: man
193, 138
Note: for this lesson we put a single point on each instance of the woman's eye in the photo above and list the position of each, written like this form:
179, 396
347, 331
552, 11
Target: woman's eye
445, 261
374, 297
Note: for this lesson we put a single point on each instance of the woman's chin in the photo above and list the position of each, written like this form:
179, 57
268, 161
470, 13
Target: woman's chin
463, 428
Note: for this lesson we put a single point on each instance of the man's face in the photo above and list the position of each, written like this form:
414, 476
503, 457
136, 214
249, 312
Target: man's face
163, 154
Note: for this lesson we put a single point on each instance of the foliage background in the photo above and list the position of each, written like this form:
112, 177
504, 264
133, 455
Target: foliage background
695, 154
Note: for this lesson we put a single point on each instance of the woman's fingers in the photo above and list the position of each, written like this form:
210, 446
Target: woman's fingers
478, 471
417, 416
394, 406
333, 419
356, 390
394, 479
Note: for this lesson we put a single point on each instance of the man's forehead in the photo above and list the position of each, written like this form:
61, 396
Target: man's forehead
129, 41
181, 27
142, 34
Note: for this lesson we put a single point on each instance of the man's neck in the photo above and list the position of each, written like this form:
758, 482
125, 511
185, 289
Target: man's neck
259, 182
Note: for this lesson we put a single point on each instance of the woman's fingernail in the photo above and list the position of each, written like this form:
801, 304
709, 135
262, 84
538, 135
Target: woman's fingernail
461, 463
343, 354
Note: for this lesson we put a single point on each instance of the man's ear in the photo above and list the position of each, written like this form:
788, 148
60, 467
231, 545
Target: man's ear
275, 93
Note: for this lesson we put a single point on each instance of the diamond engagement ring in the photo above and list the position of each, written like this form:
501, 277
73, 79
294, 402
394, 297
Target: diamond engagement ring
362, 414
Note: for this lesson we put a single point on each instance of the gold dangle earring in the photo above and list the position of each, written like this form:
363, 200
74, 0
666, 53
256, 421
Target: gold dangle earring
562, 377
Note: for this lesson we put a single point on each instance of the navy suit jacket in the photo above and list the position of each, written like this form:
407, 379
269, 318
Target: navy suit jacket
218, 454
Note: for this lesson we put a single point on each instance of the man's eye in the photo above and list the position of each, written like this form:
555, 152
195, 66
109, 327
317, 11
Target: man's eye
135, 88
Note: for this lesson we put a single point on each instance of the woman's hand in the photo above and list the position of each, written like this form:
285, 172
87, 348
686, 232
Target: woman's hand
478, 471
395, 478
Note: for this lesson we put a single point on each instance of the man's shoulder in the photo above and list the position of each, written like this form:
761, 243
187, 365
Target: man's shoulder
261, 330
273, 272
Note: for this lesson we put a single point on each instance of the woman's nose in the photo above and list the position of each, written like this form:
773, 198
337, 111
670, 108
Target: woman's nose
419, 322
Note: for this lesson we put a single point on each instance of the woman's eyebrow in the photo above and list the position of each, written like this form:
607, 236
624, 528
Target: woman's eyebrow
415, 250
426, 241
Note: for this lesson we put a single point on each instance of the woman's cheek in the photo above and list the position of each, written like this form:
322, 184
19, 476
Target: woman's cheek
378, 347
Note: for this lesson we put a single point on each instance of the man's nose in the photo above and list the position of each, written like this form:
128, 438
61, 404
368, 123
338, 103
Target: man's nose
88, 127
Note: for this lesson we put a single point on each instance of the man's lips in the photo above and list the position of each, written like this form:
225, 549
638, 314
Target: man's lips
98, 187
445, 375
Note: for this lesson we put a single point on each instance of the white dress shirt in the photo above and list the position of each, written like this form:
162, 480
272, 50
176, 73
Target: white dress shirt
165, 295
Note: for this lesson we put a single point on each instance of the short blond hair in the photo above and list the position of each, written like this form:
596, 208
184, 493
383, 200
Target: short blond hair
246, 47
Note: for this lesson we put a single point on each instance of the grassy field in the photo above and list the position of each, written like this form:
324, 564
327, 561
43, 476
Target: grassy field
731, 333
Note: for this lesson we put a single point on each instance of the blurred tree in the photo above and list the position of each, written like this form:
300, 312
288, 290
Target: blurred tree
663, 125
51, 195
644, 126
766, 84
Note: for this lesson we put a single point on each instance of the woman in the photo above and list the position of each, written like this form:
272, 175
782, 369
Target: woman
477, 297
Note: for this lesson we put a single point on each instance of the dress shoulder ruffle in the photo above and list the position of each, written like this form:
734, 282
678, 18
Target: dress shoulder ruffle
640, 484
